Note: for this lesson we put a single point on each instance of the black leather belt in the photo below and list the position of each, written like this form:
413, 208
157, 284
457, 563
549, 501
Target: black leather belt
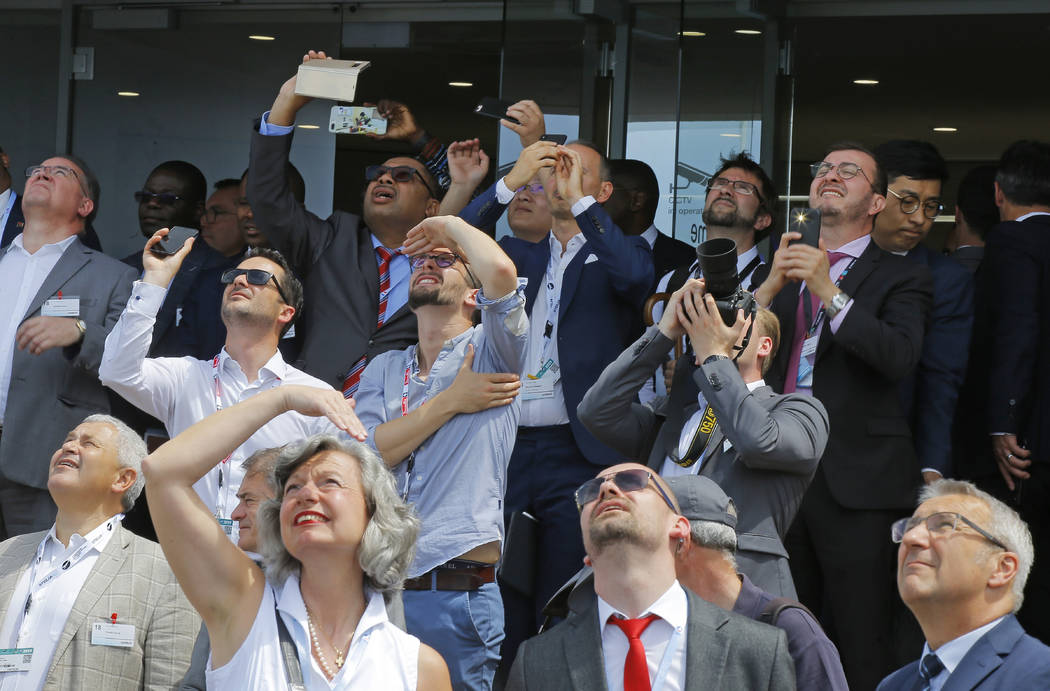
457, 574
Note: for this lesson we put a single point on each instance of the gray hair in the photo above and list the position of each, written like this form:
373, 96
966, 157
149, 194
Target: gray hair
716, 536
389, 540
131, 449
262, 462
1006, 526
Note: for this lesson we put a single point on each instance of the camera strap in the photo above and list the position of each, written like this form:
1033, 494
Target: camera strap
698, 444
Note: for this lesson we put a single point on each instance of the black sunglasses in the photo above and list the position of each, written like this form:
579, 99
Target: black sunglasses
398, 174
164, 198
631, 480
257, 277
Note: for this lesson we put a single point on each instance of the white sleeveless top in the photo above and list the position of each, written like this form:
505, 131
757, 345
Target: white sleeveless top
381, 656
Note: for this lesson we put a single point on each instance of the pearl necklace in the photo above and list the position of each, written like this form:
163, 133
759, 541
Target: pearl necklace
339, 659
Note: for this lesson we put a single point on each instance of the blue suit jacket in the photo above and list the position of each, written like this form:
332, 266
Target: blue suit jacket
930, 393
484, 210
600, 300
1004, 658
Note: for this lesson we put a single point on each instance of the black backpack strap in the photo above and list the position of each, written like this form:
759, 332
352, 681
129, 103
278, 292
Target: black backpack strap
678, 278
292, 671
771, 612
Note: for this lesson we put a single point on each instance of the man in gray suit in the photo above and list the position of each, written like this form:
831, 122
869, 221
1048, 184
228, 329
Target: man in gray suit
720, 421
631, 530
123, 623
60, 299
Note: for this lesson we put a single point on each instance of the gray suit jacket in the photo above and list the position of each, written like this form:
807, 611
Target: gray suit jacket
776, 443
52, 392
723, 651
132, 578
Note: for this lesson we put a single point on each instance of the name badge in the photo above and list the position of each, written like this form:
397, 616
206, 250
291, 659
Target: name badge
68, 306
809, 346
16, 659
537, 388
116, 635
227, 526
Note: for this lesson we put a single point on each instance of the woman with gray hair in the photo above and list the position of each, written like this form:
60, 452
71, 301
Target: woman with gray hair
334, 539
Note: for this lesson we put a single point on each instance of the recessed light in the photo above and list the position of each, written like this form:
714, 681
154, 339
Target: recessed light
127, 93
748, 32
866, 82
691, 33
728, 134
461, 84
945, 129
309, 127
260, 37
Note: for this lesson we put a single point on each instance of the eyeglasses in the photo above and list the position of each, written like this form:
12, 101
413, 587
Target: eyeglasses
741, 186
57, 172
847, 170
442, 259
398, 173
533, 187
256, 277
940, 524
163, 198
211, 215
631, 480
931, 208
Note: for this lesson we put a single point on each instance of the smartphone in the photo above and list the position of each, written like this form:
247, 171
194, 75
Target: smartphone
558, 139
495, 108
807, 222
356, 120
173, 241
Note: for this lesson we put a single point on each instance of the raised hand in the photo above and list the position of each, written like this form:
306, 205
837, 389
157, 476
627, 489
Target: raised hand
530, 116
472, 391
534, 158
315, 402
467, 163
159, 270
400, 123
288, 103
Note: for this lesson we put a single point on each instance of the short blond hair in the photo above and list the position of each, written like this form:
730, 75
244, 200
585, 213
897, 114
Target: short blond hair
768, 325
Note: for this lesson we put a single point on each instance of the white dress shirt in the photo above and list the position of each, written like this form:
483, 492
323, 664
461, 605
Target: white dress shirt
21, 275
51, 604
952, 652
672, 608
670, 468
7, 203
650, 235
182, 391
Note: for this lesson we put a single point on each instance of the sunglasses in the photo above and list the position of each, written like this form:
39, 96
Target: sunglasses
398, 174
256, 277
164, 198
632, 480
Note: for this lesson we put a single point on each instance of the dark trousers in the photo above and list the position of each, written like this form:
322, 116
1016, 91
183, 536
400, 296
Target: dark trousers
1034, 507
844, 566
24, 509
545, 470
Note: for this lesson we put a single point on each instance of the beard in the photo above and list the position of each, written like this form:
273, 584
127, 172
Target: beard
244, 314
727, 218
616, 530
420, 296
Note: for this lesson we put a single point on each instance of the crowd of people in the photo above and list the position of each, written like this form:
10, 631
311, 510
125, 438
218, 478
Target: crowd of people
386, 451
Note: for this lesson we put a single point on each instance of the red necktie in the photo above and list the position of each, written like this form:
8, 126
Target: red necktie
635, 667
353, 378
801, 328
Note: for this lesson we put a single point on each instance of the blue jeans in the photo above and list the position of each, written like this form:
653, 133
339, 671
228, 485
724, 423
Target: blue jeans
466, 627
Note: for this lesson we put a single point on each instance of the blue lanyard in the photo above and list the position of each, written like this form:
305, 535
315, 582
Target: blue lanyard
7, 211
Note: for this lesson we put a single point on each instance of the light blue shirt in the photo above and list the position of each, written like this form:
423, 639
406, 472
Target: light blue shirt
953, 652
459, 474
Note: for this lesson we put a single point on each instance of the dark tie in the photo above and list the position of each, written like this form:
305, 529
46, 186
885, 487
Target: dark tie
353, 378
635, 667
802, 328
929, 667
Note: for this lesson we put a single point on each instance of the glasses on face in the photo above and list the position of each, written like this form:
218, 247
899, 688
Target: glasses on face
212, 215
931, 208
257, 277
940, 524
56, 172
443, 260
163, 198
739, 186
398, 174
532, 187
847, 170
631, 480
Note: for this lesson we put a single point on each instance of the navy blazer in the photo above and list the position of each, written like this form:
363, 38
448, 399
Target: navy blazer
484, 210
600, 301
929, 395
1004, 658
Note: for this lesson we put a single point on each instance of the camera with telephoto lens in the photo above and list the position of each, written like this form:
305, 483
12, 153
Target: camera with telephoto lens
718, 267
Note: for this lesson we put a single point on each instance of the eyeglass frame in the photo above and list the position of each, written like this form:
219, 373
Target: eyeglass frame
155, 196
910, 523
232, 275
814, 167
415, 262
752, 188
31, 171
530, 186
919, 204
216, 212
600, 480
382, 169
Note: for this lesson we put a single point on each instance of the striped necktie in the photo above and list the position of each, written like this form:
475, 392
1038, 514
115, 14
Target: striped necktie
353, 378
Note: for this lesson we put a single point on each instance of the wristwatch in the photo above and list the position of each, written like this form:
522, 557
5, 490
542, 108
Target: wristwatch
715, 358
837, 304
82, 328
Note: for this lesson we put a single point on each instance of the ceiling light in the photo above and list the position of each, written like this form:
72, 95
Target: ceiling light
945, 129
260, 37
691, 33
748, 32
461, 84
127, 93
728, 134
309, 127
866, 82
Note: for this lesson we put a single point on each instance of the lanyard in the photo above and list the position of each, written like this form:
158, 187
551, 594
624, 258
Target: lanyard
553, 287
7, 211
410, 369
807, 307
71, 560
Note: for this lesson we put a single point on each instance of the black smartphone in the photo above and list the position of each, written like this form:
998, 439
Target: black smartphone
173, 241
494, 108
807, 222
558, 139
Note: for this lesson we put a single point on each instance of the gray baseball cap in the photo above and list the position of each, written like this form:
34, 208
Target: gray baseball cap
702, 499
